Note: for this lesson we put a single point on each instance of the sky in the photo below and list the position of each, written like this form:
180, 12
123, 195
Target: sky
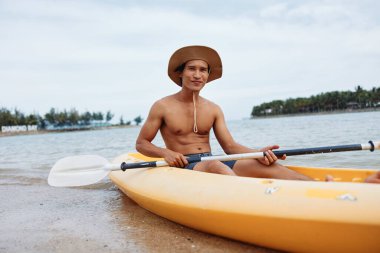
113, 55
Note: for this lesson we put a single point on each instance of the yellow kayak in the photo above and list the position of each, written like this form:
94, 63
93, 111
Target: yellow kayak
295, 216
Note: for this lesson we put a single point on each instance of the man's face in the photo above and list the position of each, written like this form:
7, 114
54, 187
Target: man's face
195, 74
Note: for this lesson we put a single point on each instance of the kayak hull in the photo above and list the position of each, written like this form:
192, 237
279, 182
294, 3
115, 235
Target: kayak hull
288, 215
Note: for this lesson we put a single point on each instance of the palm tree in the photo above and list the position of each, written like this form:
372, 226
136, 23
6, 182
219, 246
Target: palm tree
138, 120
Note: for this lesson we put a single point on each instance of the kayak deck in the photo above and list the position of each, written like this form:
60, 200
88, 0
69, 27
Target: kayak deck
281, 214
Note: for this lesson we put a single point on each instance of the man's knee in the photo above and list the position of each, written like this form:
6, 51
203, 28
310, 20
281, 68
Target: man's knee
216, 167
219, 168
253, 168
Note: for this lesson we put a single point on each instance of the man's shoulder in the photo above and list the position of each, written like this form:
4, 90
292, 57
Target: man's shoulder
163, 102
210, 104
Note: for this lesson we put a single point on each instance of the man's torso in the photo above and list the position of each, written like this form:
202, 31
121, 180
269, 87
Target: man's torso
177, 128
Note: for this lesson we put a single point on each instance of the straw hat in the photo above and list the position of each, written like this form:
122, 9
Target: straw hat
189, 53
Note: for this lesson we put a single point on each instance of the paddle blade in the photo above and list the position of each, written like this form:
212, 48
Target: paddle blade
78, 171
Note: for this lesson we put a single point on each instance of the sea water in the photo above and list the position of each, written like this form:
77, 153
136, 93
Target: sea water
35, 217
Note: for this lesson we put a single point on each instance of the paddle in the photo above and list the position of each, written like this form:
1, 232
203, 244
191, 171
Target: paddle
89, 169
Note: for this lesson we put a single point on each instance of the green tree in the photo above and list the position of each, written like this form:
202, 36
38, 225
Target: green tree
73, 117
20, 117
31, 119
41, 122
86, 118
109, 116
97, 116
138, 120
328, 101
6, 118
51, 116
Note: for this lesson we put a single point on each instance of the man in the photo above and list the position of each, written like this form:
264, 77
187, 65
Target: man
185, 120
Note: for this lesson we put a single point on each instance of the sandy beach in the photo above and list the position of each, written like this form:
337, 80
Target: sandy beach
38, 218
35, 217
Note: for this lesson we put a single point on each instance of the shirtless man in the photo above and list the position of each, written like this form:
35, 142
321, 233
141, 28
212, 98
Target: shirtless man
185, 120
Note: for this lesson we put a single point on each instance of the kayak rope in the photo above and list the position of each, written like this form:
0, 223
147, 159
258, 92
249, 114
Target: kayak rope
195, 128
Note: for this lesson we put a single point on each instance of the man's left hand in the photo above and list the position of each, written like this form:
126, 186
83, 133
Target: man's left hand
270, 157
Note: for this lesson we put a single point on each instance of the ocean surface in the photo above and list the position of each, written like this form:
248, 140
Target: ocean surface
35, 217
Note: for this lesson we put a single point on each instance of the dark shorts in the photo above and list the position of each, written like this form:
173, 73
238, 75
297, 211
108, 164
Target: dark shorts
190, 166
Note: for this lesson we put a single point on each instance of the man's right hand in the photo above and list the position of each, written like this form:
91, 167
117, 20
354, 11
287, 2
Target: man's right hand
175, 159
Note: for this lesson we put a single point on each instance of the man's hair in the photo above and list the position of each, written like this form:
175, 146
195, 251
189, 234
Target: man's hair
181, 67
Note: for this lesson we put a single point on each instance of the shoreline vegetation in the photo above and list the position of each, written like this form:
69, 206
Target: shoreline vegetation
330, 102
56, 121
6, 134
17, 123
316, 113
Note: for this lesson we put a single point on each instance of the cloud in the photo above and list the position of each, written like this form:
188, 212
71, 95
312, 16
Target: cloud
113, 55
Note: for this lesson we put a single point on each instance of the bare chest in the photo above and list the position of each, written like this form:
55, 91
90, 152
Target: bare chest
180, 121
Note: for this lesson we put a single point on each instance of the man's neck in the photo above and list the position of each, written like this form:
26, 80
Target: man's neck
187, 95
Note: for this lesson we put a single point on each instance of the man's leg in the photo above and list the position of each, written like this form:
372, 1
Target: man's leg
375, 178
216, 167
253, 168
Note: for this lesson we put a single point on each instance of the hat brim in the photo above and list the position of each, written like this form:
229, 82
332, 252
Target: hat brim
189, 53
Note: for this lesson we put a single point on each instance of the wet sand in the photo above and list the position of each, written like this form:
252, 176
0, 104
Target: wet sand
35, 217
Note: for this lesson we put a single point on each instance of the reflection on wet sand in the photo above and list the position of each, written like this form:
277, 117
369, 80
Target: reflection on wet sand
35, 217
151, 233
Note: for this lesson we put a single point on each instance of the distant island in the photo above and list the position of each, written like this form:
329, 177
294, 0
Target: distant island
333, 101
15, 122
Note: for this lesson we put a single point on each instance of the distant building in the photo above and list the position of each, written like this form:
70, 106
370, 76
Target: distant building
268, 111
14, 129
352, 105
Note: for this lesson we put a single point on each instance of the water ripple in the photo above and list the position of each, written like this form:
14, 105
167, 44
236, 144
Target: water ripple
34, 155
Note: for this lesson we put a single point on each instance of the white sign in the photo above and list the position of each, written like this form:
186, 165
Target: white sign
13, 129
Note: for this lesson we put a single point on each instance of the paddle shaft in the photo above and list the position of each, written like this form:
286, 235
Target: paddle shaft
279, 153
329, 149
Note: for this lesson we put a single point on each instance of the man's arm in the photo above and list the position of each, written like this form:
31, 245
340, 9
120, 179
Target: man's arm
224, 137
230, 146
149, 131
